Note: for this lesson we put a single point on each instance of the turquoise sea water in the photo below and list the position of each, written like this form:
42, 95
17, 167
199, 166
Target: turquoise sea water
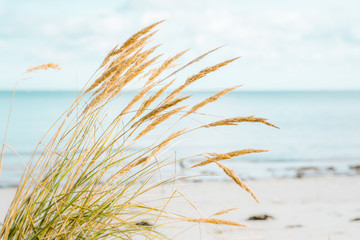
319, 129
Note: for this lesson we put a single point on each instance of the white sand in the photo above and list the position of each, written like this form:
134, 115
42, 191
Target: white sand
308, 208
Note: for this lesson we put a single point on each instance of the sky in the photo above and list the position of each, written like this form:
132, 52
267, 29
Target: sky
284, 45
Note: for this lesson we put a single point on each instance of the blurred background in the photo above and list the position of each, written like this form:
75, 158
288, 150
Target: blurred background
299, 66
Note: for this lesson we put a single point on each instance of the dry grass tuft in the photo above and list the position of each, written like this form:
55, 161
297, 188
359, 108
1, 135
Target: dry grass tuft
89, 180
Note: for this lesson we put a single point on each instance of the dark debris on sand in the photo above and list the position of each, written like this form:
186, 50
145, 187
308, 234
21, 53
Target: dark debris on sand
260, 217
356, 168
144, 223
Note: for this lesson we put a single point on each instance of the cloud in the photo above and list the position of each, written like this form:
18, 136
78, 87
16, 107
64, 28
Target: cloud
275, 38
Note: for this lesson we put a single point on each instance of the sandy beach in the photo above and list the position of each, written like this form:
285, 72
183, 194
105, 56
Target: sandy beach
307, 208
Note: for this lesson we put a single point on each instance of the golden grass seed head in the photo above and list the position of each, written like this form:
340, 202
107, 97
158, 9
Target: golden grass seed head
47, 66
232, 174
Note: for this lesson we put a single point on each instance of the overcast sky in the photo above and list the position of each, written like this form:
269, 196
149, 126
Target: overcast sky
297, 45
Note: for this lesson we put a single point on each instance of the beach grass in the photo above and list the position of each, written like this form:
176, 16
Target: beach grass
91, 175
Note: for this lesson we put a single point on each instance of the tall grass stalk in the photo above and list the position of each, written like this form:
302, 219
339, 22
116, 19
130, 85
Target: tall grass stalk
90, 178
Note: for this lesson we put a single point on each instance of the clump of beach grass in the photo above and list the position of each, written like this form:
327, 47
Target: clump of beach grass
91, 174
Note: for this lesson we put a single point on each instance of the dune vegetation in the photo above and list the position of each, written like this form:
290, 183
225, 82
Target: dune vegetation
88, 178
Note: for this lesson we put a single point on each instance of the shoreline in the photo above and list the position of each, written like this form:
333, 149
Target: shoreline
259, 171
302, 208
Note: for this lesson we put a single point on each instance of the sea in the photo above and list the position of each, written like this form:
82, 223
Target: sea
319, 131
